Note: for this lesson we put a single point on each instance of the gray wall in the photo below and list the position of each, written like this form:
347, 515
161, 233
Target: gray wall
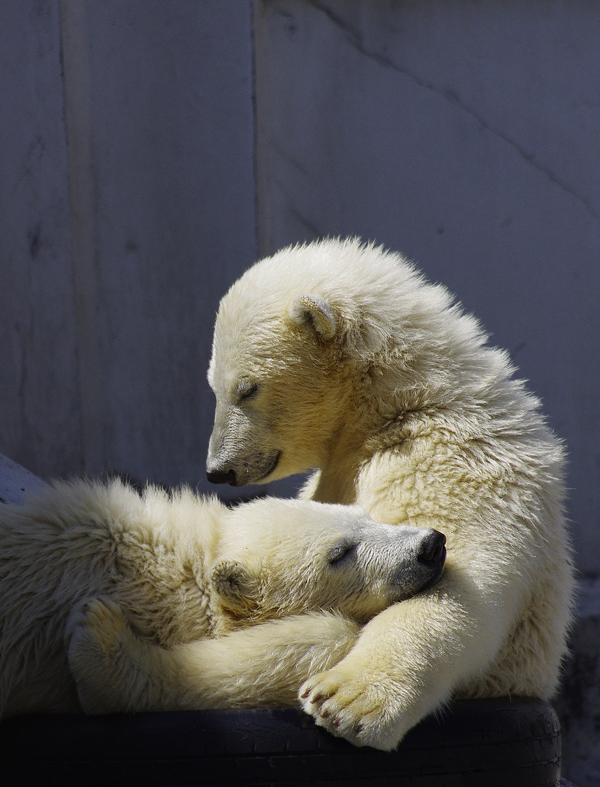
126, 207
39, 402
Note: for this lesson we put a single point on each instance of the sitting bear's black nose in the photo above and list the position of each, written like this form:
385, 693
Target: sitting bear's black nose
433, 548
221, 476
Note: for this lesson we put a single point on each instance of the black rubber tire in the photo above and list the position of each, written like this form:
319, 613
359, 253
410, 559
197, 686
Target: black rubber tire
477, 743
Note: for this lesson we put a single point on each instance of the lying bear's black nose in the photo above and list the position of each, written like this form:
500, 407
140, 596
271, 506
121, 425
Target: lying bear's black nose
433, 548
221, 477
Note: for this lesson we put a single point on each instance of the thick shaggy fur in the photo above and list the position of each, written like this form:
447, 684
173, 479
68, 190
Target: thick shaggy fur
342, 357
112, 601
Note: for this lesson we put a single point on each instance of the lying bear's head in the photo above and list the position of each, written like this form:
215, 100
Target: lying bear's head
285, 557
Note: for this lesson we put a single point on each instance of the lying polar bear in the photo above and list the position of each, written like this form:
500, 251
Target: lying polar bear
112, 601
341, 357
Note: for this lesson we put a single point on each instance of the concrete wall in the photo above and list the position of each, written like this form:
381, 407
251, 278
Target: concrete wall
39, 401
128, 206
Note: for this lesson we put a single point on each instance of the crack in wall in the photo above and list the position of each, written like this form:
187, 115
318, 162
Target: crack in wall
355, 39
293, 162
300, 217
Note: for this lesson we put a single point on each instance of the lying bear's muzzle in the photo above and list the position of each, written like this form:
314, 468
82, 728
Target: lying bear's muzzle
433, 549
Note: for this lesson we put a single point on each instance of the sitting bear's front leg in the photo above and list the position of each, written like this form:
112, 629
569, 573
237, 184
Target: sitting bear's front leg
407, 662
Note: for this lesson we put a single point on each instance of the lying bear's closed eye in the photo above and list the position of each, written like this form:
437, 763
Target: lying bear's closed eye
341, 553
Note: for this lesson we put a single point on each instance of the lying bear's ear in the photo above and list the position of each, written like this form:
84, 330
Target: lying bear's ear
314, 311
238, 588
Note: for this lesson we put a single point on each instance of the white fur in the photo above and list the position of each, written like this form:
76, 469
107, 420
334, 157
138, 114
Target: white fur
408, 412
172, 601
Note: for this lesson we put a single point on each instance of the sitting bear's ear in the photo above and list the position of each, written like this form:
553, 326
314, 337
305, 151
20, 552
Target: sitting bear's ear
314, 311
238, 588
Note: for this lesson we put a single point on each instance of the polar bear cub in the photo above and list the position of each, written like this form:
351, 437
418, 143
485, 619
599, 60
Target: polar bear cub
115, 601
341, 358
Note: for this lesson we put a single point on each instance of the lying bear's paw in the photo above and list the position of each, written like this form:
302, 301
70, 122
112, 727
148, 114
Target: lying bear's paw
97, 621
352, 707
95, 633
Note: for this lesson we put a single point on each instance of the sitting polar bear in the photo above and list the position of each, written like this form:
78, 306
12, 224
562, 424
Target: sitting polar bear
341, 357
156, 602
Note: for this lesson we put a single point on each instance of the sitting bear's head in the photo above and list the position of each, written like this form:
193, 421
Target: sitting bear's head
318, 346
284, 557
286, 347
